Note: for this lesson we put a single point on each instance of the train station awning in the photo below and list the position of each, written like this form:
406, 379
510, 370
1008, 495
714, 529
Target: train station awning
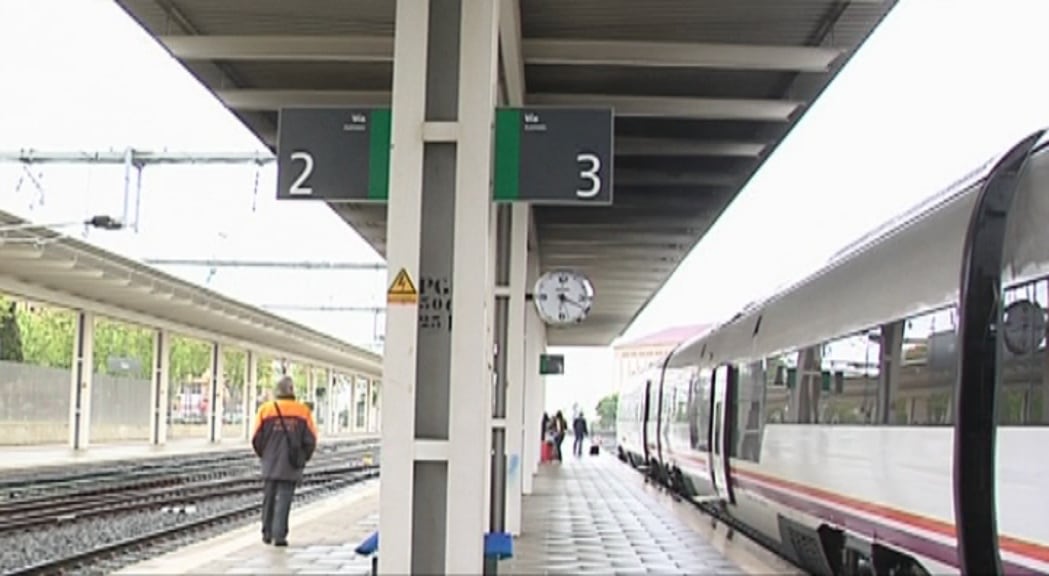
703, 93
40, 264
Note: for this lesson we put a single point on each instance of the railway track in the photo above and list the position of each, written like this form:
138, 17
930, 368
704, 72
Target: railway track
236, 488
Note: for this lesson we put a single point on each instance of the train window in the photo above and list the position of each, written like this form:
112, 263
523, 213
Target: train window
781, 374
1023, 383
749, 416
701, 394
848, 380
924, 394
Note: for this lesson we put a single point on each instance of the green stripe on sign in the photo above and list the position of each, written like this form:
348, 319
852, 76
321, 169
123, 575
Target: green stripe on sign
507, 154
379, 155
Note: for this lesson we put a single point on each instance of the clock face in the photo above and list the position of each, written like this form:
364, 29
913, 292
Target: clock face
1023, 327
563, 297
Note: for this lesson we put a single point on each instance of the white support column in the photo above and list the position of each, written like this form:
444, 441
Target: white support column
215, 403
355, 391
515, 367
435, 380
533, 391
378, 406
80, 381
369, 407
470, 374
403, 232
490, 352
251, 393
535, 385
311, 386
332, 396
158, 393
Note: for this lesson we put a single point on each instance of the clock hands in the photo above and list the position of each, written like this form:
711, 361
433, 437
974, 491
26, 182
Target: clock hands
564, 299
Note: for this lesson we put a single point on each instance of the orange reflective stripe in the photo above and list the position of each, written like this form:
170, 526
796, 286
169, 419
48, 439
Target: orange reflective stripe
265, 411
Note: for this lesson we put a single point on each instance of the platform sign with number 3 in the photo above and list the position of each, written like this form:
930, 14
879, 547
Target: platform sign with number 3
553, 155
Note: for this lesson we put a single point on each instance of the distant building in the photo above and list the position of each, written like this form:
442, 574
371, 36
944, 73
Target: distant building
633, 357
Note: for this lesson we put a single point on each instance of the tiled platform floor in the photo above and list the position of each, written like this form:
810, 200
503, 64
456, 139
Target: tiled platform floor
321, 540
592, 515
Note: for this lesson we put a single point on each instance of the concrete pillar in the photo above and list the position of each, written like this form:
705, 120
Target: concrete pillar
80, 381
311, 386
435, 370
251, 393
354, 387
515, 368
215, 403
535, 401
369, 408
494, 399
158, 394
378, 407
331, 395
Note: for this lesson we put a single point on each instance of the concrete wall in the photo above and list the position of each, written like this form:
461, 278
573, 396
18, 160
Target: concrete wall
34, 404
119, 408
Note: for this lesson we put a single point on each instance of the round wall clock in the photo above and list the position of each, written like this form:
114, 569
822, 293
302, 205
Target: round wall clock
563, 297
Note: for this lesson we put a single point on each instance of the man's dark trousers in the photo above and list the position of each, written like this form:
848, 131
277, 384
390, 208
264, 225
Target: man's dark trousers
276, 506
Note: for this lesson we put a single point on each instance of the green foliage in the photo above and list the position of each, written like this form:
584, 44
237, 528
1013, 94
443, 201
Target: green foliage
234, 368
190, 359
10, 335
47, 336
119, 340
606, 411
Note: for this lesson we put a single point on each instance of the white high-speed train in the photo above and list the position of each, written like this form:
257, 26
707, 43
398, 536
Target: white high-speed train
888, 414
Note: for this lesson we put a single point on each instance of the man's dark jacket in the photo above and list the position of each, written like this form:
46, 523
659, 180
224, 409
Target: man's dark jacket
269, 440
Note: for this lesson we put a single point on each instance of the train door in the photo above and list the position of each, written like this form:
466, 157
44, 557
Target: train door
1022, 376
1001, 412
721, 422
644, 421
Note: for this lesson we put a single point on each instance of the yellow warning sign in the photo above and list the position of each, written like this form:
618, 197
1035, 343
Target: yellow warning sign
402, 290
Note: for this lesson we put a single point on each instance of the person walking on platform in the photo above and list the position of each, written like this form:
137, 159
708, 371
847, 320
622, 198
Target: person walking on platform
285, 437
560, 428
580, 432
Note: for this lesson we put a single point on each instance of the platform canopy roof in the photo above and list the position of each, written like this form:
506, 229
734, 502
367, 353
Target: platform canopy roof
703, 91
42, 265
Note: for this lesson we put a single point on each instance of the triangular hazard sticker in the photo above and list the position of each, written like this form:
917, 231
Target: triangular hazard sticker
402, 289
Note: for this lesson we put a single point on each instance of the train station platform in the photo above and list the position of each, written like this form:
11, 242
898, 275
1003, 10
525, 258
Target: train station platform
45, 456
592, 515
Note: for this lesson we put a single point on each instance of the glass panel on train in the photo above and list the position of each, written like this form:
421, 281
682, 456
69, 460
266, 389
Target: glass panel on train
849, 380
749, 413
928, 366
1023, 384
677, 383
701, 391
781, 373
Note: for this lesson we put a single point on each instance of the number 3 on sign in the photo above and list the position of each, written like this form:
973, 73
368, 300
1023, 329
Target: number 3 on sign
297, 187
590, 174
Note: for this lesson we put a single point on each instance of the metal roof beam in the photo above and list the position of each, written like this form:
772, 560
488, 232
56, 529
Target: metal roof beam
539, 51
691, 55
648, 106
253, 99
644, 178
348, 48
510, 51
635, 146
694, 108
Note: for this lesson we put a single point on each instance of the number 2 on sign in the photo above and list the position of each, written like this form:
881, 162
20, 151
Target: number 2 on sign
297, 188
590, 174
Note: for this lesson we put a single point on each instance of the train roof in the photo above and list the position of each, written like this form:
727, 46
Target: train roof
909, 265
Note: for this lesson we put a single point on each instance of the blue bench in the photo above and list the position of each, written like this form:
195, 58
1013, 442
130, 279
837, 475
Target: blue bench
497, 545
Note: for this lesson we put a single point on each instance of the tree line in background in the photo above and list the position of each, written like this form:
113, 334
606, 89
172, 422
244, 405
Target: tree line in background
606, 411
